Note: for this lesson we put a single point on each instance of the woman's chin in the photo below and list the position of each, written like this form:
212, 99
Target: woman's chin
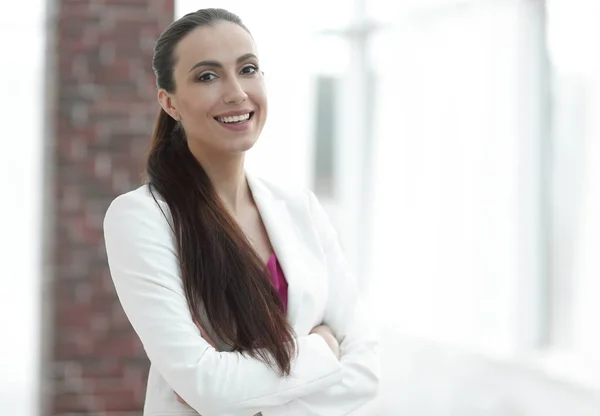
241, 145
225, 146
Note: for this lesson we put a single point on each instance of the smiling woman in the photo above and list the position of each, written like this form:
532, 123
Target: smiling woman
211, 91
236, 286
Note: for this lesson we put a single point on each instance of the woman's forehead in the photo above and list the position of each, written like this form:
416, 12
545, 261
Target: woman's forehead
224, 42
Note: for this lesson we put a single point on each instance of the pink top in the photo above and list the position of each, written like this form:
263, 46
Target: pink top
278, 279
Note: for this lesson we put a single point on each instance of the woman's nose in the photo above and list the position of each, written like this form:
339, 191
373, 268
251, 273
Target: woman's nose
234, 94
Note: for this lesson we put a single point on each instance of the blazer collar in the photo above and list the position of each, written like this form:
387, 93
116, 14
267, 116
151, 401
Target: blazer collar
285, 241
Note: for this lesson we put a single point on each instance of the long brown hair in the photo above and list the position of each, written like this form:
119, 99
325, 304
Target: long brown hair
220, 269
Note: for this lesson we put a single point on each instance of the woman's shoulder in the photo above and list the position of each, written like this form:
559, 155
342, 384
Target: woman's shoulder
280, 189
141, 202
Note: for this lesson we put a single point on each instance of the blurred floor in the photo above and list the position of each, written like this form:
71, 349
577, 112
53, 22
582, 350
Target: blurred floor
422, 378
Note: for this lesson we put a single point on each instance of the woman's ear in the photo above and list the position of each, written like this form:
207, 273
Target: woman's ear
167, 102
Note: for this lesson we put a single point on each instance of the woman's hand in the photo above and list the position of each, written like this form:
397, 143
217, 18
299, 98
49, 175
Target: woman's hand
328, 336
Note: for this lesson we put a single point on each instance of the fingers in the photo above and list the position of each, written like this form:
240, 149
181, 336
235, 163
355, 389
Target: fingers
326, 333
180, 400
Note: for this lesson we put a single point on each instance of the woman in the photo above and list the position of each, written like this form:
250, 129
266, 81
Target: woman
237, 288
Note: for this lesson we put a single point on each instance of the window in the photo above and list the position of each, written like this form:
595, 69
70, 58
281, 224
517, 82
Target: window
324, 151
575, 203
457, 248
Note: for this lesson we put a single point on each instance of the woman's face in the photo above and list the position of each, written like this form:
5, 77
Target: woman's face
220, 96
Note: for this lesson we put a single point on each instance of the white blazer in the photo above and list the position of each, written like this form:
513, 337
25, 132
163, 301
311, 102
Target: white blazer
144, 267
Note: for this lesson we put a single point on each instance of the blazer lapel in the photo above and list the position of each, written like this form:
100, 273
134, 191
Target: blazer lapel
285, 242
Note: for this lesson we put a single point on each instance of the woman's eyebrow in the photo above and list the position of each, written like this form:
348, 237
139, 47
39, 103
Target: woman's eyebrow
217, 64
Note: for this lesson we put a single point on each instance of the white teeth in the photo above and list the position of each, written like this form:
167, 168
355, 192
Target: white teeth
234, 119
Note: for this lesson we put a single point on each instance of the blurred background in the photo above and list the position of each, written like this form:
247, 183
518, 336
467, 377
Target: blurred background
455, 144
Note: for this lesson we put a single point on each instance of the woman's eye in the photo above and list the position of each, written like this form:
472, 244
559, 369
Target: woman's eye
206, 77
249, 69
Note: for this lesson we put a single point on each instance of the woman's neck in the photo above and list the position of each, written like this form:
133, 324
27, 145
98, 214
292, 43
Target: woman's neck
228, 177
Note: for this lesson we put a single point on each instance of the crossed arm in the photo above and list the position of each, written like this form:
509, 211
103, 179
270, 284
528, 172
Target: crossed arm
321, 330
352, 325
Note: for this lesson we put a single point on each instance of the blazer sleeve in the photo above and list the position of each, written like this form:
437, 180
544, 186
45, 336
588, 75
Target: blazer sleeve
145, 271
348, 318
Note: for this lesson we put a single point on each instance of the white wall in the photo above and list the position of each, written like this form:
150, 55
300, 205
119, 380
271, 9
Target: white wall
22, 30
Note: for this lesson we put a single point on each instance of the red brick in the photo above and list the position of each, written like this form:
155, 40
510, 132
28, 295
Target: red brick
102, 114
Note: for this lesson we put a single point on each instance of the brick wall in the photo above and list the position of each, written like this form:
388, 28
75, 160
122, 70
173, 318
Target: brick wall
102, 110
